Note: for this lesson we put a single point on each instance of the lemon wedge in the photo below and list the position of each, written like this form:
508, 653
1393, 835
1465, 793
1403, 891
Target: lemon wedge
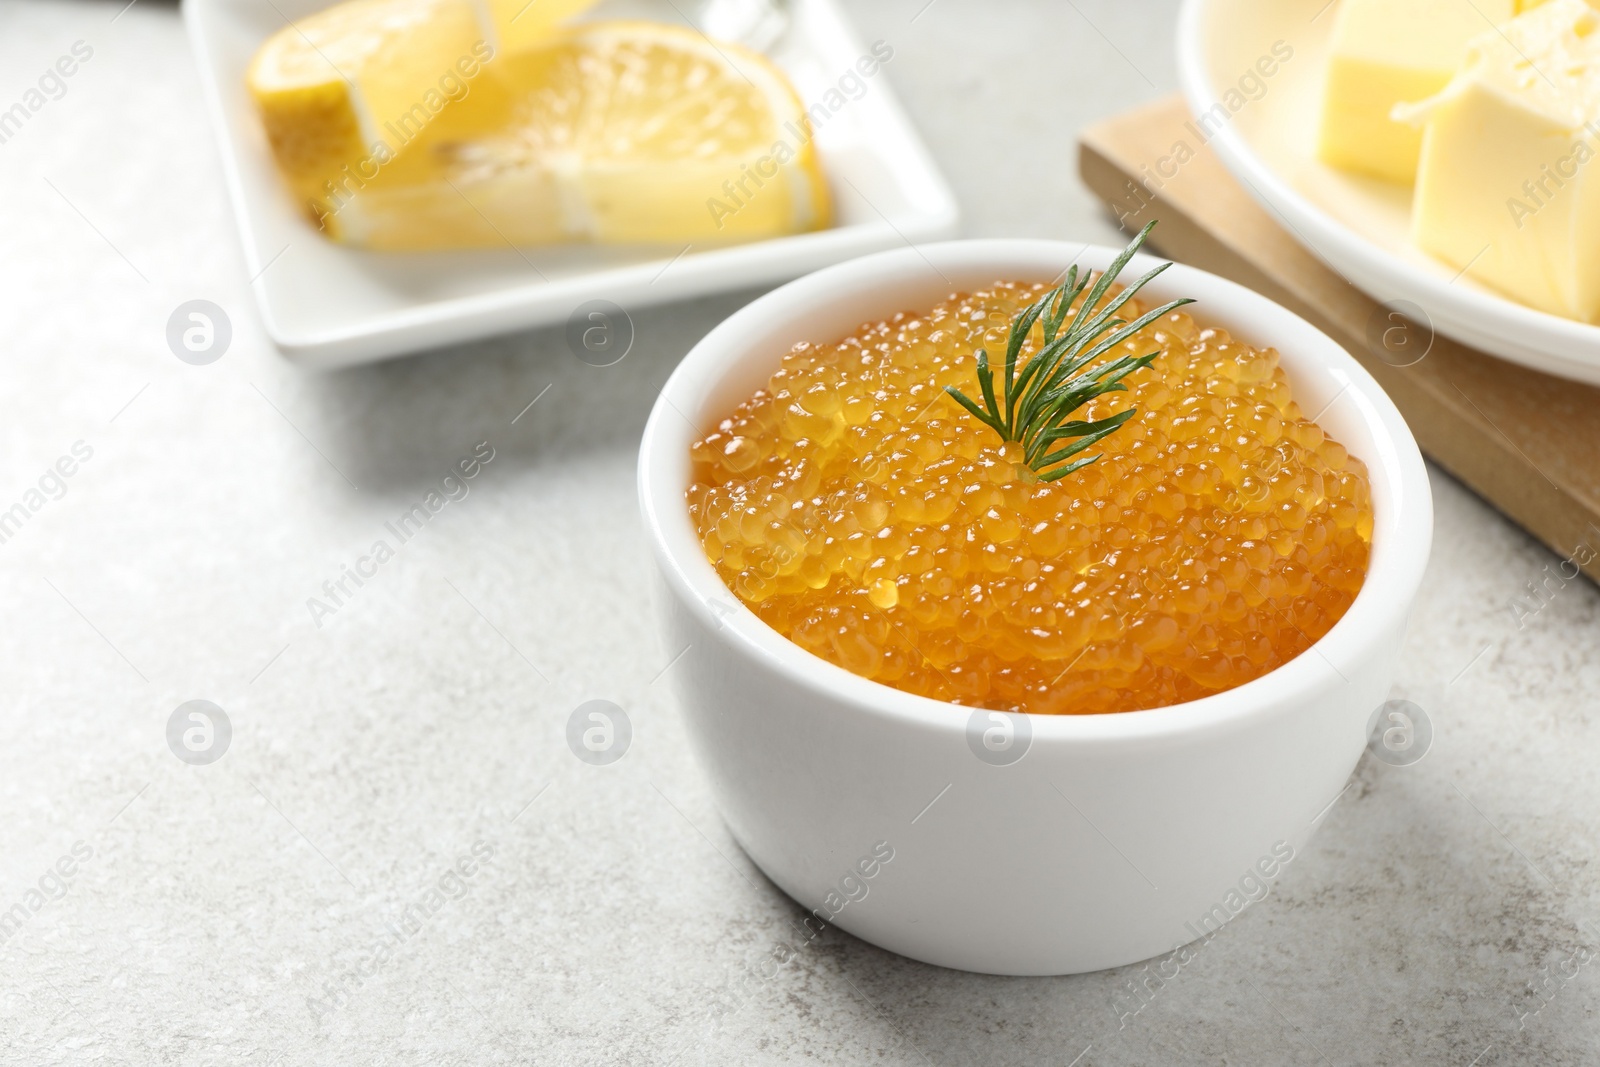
622, 132
350, 85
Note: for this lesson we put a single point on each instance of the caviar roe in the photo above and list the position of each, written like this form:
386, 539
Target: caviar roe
864, 515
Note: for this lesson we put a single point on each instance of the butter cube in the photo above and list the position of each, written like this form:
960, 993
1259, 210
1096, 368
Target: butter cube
1388, 52
1504, 188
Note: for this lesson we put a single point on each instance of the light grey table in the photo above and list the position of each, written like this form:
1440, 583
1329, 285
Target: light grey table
205, 909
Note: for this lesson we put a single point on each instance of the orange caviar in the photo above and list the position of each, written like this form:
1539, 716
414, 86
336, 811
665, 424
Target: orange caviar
864, 515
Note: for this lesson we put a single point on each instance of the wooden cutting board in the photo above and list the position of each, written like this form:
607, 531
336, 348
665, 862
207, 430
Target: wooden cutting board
1527, 442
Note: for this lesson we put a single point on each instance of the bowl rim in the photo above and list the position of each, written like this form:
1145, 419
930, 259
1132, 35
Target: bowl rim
1403, 511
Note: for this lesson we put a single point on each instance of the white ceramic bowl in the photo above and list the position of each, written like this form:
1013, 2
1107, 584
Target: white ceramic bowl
1114, 836
1359, 226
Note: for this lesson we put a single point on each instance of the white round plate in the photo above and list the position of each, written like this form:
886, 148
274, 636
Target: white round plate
1360, 227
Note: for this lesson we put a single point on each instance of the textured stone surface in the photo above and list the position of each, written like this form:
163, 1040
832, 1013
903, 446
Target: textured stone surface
615, 922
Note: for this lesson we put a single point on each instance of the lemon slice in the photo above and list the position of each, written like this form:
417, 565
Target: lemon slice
623, 132
522, 24
350, 85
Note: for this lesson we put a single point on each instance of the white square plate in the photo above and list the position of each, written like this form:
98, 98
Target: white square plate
326, 305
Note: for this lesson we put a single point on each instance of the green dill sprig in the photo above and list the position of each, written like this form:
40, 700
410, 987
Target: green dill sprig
1054, 383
